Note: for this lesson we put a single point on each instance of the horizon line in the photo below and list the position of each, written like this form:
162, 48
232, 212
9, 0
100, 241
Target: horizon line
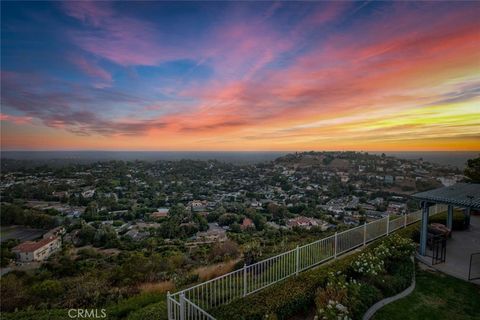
236, 151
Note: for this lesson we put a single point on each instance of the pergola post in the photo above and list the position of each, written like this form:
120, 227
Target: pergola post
424, 228
460, 195
467, 216
450, 217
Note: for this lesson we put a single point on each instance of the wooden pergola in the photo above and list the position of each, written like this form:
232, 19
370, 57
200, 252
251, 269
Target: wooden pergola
463, 195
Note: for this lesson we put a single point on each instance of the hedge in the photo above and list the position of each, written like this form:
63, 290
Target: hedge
296, 294
458, 222
52, 314
124, 307
142, 306
155, 311
398, 279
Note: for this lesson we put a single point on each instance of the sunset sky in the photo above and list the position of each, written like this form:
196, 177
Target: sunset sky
240, 76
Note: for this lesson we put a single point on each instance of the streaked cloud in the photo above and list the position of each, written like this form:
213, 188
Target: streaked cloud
247, 76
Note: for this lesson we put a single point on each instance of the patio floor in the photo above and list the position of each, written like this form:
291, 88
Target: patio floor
459, 249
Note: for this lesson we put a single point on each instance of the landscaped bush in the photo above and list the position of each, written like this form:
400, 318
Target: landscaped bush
411, 232
126, 306
155, 311
333, 299
356, 299
386, 267
458, 222
51, 314
142, 306
398, 279
368, 264
377, 261
369, 295
397, 247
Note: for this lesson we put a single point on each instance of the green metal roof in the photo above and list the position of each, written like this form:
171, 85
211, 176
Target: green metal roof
460, 194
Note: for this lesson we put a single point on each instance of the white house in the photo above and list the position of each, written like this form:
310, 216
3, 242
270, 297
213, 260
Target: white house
29, 251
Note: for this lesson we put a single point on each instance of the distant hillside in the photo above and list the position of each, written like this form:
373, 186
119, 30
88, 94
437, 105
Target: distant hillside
340, 160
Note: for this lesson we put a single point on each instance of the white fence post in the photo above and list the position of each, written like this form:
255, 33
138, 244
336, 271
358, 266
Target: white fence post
388, 224
245, 289
297, 257
335, 247
182, 306
364, 233
169, 307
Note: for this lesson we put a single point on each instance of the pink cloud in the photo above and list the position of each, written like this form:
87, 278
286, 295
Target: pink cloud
92, 69
89, 12
123, 40
378, 64
343, 75
15, 119
321, 17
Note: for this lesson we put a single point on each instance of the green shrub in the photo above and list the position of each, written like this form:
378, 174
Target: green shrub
126, 306
350, 299
155, 311
368, 264
376, 261
409, 232
403, 273
48, 289
387, 269
458, 222
335, 299
397, 280
142, 306
368, 296
183, 279
51, 314
395, 252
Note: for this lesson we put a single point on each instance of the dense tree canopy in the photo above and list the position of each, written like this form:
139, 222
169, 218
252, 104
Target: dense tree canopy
472, 171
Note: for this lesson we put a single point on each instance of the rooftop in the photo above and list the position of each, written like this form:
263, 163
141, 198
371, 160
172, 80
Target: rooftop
460, 194
30, 246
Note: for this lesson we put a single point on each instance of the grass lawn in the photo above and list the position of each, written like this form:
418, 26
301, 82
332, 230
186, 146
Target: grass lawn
438, 297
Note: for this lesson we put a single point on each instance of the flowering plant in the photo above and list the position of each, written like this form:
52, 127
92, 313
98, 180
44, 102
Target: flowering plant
370, 264
332, 301
334, 310
399, 247
392, 248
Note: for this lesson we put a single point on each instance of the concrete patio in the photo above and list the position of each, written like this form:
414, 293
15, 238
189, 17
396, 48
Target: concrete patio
459, 249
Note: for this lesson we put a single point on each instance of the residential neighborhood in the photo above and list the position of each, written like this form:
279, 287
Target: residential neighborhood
169, 221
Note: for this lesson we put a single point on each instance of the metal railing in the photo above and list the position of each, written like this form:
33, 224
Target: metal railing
191, 303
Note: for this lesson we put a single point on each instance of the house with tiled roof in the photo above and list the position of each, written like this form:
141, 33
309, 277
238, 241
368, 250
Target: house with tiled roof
307, 223
247, 224
40, 250
160, 213
55, 232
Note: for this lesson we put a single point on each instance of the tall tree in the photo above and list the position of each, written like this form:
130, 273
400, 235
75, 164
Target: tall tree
472, 171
